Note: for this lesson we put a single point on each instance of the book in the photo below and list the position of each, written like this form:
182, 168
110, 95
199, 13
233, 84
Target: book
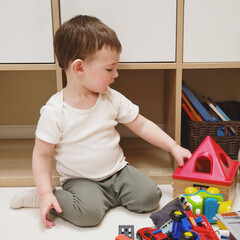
191, 116
191, 109
219, 113
218, 109
200, 108
196, 103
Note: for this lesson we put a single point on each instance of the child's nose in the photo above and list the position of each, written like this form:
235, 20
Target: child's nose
116, 74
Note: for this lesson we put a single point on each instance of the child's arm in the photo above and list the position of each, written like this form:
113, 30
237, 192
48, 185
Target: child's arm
151, 133
42, 169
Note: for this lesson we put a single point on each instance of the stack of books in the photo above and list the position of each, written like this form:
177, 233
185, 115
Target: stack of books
197, 112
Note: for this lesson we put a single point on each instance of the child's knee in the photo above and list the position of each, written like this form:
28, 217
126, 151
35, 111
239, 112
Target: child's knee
80, 213
145, 201
88, 218
153, 201
81, 217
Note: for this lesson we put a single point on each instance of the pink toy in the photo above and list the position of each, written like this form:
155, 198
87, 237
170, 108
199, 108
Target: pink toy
209, 166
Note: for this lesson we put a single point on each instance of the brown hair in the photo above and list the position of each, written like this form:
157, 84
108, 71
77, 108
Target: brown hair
81, 37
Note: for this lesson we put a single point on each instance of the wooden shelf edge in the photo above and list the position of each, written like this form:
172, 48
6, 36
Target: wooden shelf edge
125, 66
29, 181
162, 180
23, 181
211, 65
27, 67
17, 182
128, 66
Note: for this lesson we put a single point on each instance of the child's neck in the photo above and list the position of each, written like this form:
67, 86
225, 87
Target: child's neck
78, 97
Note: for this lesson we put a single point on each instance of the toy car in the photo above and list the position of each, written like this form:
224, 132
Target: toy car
187, 226
189, 235
182, 228
151, 234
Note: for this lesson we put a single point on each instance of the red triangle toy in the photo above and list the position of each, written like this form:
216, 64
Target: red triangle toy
208, 164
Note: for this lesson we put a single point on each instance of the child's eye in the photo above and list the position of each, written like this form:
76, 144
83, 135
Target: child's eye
109, 70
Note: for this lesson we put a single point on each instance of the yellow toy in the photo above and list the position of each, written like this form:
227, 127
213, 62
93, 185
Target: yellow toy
224, 207
207, 202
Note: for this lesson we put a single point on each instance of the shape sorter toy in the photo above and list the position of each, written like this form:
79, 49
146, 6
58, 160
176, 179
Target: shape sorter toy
209, 166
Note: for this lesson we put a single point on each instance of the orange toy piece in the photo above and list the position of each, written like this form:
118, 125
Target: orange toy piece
122, 237
209, 166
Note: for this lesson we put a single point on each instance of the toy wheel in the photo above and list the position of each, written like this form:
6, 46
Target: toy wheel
188, 235
177, 215
190, 190
213, 190
187, 208
139, 236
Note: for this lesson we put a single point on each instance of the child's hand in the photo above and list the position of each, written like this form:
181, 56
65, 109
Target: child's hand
180, 154
48, 201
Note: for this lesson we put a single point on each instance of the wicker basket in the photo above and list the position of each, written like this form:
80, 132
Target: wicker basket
194, 132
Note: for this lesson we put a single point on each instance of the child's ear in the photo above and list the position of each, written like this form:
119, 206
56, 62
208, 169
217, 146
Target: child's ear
77, 67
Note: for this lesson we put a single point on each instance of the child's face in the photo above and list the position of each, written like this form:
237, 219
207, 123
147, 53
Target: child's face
101, 71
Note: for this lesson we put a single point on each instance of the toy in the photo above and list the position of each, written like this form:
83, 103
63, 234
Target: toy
161, 217
207, 202
184, 225
187, 226
232, 222
224, 208
222, 234
209, 166
181, 226
122, 237
151, 234
126, 230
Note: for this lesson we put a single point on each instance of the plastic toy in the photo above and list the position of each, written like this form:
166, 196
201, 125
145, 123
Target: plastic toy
187, 226
232, 222
181, 226
161, 217
209, 166
126, 230
224, 208
122, 237
151, 234
184, 225
222, 234
208, 202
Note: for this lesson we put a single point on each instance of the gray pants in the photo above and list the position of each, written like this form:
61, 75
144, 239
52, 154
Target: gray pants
84, 202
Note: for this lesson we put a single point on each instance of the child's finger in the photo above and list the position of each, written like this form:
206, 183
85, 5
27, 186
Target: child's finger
57, 206
189, 155
46, 221
180, 162
49, 223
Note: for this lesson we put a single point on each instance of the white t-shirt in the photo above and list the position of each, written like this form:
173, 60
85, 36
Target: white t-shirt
87, 143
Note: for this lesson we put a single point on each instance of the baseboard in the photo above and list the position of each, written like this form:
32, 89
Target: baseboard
28, 131
17, 131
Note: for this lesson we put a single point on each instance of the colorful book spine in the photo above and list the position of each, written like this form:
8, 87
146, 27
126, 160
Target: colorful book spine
224, 117
188, 112
196, 103
220, 114
198, 118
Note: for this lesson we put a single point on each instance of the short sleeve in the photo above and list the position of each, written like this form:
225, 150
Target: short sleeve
126, 110
48, 125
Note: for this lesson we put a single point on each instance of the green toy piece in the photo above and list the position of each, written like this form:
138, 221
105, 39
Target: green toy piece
204, 201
